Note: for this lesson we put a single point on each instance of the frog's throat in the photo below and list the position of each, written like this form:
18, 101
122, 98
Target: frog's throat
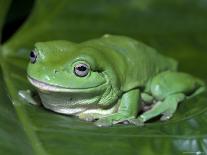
42, 86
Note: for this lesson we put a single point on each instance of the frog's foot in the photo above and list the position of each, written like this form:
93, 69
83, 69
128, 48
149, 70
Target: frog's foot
113, 119
30, 97
88, 117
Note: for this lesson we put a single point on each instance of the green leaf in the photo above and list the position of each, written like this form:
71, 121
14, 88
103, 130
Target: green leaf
176, 28
13, 139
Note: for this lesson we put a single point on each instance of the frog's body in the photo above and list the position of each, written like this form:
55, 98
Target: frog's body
115, 74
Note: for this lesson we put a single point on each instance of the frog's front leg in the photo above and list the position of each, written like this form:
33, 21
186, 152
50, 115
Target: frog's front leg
127, 110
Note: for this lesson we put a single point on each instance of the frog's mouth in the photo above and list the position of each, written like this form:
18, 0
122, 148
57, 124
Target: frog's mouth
45, 87
71, 100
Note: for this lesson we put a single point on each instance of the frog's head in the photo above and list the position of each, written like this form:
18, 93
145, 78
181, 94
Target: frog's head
68, 74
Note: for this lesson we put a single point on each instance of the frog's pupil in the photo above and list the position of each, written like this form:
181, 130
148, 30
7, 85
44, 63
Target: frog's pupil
32, 54
82, 68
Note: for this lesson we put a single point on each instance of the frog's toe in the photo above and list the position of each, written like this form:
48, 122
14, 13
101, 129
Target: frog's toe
113, 119
136, 121
166, 116
88, 117
104, 122
30, 97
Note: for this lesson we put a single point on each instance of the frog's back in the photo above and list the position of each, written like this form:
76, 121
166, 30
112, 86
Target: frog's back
134, 61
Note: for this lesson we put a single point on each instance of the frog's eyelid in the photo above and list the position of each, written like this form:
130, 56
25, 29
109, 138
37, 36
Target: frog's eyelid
80, 61
75, 63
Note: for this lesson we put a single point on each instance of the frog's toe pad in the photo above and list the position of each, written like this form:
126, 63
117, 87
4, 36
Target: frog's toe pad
166, 117
103, 122
136, 121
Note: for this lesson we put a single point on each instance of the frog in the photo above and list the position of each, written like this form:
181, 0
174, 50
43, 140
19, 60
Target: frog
108, 80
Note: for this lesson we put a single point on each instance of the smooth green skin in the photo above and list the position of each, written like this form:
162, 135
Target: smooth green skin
124, 73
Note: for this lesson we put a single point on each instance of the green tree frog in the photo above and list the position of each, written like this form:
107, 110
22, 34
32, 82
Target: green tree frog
106, 79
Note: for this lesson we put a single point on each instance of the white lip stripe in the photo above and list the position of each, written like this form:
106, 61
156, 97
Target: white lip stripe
46, 87
52, 88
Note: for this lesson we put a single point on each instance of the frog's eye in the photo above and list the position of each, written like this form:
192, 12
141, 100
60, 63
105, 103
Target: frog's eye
33, 56
81, 69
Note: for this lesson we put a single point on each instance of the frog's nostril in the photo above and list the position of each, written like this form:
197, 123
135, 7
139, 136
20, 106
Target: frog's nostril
55, 71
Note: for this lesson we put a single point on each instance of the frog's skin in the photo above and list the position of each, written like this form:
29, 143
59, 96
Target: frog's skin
121, 73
